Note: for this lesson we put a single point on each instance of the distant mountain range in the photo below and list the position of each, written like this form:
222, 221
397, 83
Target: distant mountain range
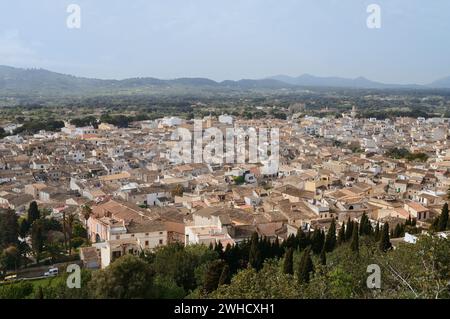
44, 82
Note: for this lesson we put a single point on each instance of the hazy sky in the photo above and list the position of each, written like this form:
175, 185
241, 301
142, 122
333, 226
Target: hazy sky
230, 39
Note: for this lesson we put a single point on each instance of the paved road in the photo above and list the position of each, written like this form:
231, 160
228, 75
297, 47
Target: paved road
36, 272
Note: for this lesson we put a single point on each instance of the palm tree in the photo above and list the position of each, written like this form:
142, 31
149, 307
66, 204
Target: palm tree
87, 212
69, 223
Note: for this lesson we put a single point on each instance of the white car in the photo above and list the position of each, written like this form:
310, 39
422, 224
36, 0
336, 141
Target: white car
52, 272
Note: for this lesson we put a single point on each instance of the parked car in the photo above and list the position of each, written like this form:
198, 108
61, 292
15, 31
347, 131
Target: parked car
52, 272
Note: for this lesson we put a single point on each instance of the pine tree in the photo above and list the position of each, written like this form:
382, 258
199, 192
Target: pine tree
385, 243
341, 234
33, 212
255, 258
354, 245
443, 218
305, 267
330, 240
288, 265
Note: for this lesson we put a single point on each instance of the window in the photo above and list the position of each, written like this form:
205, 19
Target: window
160, 241
118, 237
160, 232
146, 243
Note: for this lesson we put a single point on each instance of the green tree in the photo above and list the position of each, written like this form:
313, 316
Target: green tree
9, 228
443, 218
305, 267
86, 211
349, 230
255, 258
385, 243
126, 278
33, 212
219, 249
376, 233
330, 241
301, 238
213, 275
288, 264
20, 290
397, 231
317, 241
269, 283
354, 245
365, 228
341, 235
10, 258
24, 227
225, 276
37, 237
323, 257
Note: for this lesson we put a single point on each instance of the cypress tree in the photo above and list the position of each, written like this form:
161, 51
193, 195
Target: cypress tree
255, 258
224, 276
341, 234
212, 276
354, 245
317, 241
33, 212
302, 240
37, 238
385, 243
305, 267
323, 257
330, 240
376, 234
349, 230
443, 218
219, 249
397, 231
408, 221
362, 224
288, 265
435, 223
276, 250
365, 228
24, 228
